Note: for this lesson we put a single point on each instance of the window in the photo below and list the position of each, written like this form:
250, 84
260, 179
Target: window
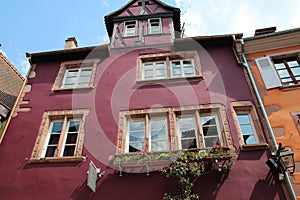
154, 70
144, 138
60, 137
182, 68
165, 129
76, 78
296, 117
76, 74
169, 66
288, 70
130, 28
154, 26
248, 126
279, 70
188, 126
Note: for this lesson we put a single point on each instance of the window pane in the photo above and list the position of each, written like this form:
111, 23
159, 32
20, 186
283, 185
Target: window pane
292, 63
69, 150
135, 147
211, 141
54, 138
50, 151
74, 126
283, 73
208, 120
71, 138
243, 119
137, 137
188, 143
210, 131
280, 66
249, 139
86, 72
188, 134
296, 71
56, 127
136, 125
159, 146
247, 129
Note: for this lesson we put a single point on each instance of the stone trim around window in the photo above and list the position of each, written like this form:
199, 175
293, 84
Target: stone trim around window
296, 117
80, 114
171, 113
247, 107
167, 58
88, 63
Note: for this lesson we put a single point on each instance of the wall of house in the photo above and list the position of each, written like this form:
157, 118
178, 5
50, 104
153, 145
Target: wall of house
280, 103
116, 90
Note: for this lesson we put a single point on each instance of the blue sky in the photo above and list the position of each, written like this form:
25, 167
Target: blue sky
43, 25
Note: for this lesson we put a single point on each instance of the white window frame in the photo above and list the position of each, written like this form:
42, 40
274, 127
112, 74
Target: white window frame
199, 129
182, 67
220, 140
147, 131
180, 134
129, 32
154, 70
77, 79
154, 29
252, 126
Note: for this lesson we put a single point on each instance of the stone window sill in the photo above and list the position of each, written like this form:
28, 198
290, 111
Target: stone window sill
57, 159
251, 147
169, 80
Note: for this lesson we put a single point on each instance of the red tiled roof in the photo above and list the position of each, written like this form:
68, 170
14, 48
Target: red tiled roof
10, 82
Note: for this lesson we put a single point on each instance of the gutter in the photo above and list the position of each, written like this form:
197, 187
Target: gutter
246, 65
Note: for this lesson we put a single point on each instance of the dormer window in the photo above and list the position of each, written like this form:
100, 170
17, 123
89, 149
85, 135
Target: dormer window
154, 26
130, 28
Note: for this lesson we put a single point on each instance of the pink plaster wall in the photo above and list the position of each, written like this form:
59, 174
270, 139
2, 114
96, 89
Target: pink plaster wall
117, 90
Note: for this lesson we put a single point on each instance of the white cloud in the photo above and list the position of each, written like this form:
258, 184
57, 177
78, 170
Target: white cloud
105, 3
213, 17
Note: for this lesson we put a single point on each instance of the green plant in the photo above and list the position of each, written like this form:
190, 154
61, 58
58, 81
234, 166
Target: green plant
190, 165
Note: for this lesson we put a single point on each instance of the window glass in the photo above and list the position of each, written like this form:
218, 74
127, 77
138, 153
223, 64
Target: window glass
159, 134
210, 130
247, 128
136, 135
187, 130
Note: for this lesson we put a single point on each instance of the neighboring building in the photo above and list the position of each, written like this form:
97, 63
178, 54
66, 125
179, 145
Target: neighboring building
11, 82
148, 91
273, 58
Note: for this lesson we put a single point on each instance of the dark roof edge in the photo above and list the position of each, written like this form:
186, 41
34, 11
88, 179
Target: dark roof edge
65, 51
272, 34
211, 37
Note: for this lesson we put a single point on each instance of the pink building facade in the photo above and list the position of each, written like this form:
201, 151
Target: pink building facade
149, 91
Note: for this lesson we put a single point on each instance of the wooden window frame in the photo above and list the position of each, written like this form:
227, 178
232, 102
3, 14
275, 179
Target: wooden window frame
150, 29
218, 110
168, 58
125, 28
38, 154
284, 60
74, 65
246, 107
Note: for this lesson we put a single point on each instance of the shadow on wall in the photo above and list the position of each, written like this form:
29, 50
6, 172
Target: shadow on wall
267, 187
140, 186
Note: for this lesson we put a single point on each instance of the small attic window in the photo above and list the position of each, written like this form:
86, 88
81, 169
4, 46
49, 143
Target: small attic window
141, 3
130, 28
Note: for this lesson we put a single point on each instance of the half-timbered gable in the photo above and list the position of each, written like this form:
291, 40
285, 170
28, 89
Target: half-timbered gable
143, 22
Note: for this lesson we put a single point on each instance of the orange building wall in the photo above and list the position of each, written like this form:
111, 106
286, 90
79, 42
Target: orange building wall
287, 101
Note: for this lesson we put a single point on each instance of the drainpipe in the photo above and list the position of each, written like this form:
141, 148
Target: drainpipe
245, 64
